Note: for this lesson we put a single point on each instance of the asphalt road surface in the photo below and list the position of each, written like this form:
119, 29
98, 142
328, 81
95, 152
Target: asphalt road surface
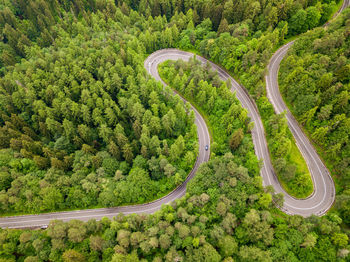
324, 191
41, 220
318, 203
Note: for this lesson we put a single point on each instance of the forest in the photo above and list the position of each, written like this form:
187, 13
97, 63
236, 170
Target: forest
83, 125
69, 133
93, 133
225, 216
315, 81
228, 121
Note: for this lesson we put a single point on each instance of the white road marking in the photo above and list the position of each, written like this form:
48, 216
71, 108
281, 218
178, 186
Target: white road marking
246, 103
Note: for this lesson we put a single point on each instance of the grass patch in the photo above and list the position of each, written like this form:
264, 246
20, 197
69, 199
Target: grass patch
300, 187
320, 150
296, 158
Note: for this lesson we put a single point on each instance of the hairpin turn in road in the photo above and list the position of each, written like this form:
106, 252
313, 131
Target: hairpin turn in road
319, 202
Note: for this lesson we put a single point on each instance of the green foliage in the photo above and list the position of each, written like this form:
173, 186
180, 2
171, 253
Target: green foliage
240, 49
72, 256
289, 164
75, 116
246, 231
82, 125
227, 119
314, 80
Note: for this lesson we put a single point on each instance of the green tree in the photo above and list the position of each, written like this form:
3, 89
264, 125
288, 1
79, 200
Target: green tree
228, 246
254, 254
96, 243
340, 239
236, 139
297, 23
223, 27
72, 255
312, 17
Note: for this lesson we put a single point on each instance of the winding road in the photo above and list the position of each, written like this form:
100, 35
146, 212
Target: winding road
318, 203
324, 191
42, 220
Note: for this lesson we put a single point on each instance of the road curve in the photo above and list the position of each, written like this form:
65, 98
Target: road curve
324, 191
318, 203
36, 221
291, 205
322, 198
345, 4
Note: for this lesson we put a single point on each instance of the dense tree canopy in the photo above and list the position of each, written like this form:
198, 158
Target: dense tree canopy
217, 220
227, 119
315, 80
83, 125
